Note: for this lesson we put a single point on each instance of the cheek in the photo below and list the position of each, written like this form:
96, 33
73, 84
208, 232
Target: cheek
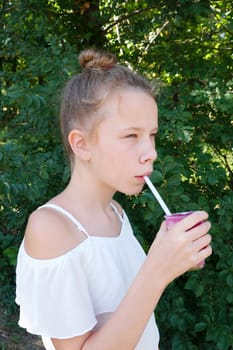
103, 159
113, 156
125, 157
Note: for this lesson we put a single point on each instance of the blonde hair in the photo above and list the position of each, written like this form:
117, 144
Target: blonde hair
85, 92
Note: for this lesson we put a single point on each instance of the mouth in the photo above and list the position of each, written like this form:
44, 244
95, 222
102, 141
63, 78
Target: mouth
141, 177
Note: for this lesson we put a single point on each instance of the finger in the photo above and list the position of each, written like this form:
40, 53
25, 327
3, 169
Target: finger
201, 256
199, 230
163, 228
204, 253
192, 220
202, 242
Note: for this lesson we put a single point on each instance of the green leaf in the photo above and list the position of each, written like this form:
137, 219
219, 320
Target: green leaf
11, 254
156, 176
199, 327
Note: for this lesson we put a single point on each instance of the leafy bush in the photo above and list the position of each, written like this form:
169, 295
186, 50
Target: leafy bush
187, 48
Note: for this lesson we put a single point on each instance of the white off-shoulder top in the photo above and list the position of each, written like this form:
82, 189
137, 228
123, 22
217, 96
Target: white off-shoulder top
61, 297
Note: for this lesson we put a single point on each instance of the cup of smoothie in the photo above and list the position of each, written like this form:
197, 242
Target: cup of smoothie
176, 217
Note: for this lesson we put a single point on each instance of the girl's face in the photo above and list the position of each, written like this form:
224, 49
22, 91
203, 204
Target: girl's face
124, 147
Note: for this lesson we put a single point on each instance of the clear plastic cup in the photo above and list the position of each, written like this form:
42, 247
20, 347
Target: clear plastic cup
176, 217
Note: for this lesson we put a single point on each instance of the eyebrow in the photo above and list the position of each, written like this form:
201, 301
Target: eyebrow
138, 129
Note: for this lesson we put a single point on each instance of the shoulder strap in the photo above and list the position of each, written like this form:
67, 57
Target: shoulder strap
116, 211
67, 214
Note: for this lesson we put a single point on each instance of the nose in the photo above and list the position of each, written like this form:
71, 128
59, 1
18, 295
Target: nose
150, 154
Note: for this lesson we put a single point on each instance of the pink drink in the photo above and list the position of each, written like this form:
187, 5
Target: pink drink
176, 217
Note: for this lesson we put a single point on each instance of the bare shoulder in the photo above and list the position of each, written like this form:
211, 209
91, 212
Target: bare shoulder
50, 234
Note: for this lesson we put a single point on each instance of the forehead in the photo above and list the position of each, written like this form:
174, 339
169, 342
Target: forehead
130, 108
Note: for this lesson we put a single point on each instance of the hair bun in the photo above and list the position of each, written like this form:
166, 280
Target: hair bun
93, 58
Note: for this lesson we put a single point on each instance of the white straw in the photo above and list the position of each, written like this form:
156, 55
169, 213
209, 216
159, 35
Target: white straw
157, 195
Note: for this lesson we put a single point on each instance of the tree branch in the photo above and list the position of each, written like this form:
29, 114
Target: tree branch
125, 17
226, 162
223, 26
153, 38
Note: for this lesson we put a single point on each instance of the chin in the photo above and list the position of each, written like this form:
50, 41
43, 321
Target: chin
133, 192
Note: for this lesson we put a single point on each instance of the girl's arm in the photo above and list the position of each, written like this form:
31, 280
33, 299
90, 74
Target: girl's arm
172, 253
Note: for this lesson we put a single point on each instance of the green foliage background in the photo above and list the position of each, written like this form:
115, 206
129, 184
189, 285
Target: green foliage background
185, 48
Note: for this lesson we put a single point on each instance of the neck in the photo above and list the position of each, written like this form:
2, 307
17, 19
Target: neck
85, 188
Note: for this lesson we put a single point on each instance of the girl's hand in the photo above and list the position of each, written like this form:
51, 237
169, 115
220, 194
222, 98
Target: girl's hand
181, 247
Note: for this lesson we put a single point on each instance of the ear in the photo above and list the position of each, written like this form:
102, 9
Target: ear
78, 142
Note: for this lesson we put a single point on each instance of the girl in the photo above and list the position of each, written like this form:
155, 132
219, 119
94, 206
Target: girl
83, 281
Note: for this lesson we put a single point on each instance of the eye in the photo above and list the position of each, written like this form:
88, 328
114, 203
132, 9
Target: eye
132, 136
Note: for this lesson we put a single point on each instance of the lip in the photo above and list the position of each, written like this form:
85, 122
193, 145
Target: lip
148, 173
141, 177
